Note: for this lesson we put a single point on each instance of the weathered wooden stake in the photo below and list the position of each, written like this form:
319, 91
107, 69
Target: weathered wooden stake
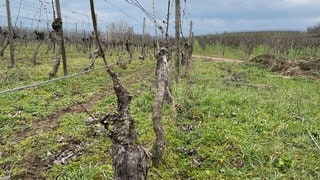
130, 161
61, 51
10, 34
177, 41
162, 72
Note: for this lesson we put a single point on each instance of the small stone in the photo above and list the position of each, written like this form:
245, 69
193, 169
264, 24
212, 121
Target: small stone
50, 154
90, 120
5, 178
60, 139
57, 162
195, 163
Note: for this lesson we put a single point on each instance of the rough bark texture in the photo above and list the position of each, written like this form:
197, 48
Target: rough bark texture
129, 160
57, 27
128, 49
61, 43
167, 96
163, 66
51, 42
95, 55
5, 44
36, 52
61, 51
10, 30
177, 40
39, 39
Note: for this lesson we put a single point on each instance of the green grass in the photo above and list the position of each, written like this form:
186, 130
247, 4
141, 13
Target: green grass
243, 132
219, 50
230, 121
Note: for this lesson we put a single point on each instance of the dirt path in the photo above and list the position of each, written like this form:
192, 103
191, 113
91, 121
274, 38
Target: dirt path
217, 59
51, 122
32, 163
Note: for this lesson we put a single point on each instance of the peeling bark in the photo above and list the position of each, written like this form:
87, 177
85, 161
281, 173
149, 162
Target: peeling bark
57, 27
61, 51
163, 66
129, 160
5, 45
39, 39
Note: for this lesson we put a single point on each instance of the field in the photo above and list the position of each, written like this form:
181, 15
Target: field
230, 120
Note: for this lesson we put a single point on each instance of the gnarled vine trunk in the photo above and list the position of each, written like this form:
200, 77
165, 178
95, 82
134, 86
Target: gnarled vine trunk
162, 72
130, 161
5, 44
57, 27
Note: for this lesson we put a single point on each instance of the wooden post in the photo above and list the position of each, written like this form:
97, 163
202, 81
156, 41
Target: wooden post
162, 71
53, 11
10, 34
167, 96
155, 25
21, 32
177, 41
143, 55
61, 51
167, 27
188, 50
76, 37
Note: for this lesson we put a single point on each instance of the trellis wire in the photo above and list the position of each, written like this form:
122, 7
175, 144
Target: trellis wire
56, 79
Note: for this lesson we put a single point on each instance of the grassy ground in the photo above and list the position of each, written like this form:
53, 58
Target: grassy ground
218, 50
238, 121
230, 121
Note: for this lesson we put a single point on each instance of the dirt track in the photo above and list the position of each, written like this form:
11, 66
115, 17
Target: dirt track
217, 59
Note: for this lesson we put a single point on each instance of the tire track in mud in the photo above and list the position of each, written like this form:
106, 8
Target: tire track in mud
51, 122
33, 166
210, 58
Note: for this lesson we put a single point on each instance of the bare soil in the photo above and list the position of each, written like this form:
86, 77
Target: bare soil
209, 58
303, 66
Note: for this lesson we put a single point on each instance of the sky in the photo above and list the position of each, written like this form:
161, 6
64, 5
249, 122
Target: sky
208, 16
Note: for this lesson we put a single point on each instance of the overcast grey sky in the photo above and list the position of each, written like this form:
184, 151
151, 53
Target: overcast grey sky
208, 16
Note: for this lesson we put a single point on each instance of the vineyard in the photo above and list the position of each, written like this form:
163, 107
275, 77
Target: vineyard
136, 106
